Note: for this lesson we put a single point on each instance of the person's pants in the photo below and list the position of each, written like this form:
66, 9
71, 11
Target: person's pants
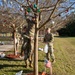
50, 52
28, 53
23, 47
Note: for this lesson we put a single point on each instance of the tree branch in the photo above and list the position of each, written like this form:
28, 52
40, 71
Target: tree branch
49, 16
19, 3
64, 10
42, 8
20, 25
46, 9
30, 5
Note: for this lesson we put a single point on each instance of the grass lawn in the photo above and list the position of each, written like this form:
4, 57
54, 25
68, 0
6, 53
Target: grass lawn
65, 59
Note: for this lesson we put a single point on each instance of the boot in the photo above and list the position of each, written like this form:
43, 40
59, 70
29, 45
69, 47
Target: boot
30, 64
26, 64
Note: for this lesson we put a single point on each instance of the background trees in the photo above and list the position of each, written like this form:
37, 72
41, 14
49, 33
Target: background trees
48, 13
69, 29
63, 9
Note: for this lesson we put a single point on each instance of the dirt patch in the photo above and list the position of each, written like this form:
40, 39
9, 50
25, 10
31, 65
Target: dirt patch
38, 73
17, 57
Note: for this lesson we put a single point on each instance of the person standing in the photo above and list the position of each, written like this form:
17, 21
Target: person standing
24, 39
28, 45
48, 40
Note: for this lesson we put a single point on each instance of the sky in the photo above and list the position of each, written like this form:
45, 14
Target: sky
72, 0
63, 14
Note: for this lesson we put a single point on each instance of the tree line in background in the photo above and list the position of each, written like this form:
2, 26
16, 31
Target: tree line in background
68, 30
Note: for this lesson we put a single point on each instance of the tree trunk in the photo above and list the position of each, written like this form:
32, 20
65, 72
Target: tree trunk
36, 49
15, 52
36, 43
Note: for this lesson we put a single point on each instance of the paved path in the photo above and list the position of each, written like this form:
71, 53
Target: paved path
6, 47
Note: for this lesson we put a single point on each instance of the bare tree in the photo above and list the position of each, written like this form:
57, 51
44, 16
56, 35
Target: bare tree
44, 12
11, 23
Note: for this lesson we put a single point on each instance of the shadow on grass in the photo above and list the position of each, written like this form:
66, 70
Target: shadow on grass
11, 59
7, 65
24, 71
6, 59
65, 36
40, 60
